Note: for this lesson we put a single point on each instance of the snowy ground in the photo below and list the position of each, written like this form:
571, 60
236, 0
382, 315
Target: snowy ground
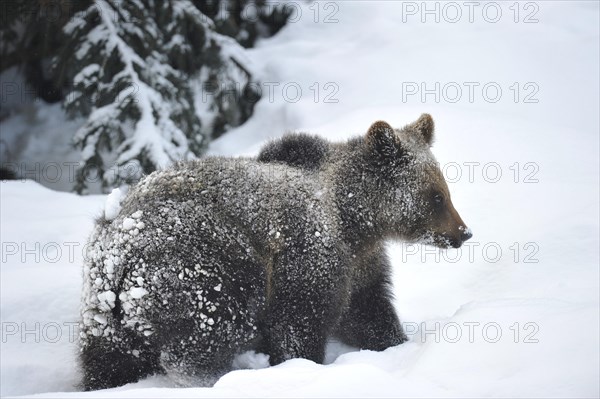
514, 313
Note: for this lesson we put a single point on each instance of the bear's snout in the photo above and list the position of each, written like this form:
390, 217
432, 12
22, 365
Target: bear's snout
455, 242
464, 235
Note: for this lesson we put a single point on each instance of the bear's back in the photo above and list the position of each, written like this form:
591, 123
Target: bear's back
228, 191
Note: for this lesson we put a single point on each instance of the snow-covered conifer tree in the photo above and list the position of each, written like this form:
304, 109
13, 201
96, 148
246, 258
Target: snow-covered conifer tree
246, 20
135, 68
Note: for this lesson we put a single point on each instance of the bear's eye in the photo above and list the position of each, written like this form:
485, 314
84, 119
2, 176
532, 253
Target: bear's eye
438, 199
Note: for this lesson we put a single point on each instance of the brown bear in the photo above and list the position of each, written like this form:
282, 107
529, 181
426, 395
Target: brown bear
213, 257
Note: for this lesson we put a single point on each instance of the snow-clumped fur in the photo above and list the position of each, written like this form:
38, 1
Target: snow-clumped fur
213, 257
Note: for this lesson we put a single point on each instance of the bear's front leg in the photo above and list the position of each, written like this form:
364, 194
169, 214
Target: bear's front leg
304, 304
370, 321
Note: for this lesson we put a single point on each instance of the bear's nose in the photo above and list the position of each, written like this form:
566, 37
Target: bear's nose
466, 234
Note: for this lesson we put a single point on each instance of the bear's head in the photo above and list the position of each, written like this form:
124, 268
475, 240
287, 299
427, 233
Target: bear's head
411, 194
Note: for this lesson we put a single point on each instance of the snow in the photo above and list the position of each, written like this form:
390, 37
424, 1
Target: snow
515, 312
137, 292
113, 203
128, 223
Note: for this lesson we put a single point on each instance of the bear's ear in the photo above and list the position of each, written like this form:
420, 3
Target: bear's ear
425, 127
382, 139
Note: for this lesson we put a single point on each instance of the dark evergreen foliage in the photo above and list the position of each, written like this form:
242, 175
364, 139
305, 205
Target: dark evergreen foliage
246, 20
30, 34
153, 80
